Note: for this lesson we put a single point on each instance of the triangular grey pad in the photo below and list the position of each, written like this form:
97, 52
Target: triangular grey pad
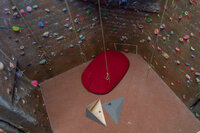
94, 111
114, 108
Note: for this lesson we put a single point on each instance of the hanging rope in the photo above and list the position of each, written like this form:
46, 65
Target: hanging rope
156, 41
76, 36
104, 45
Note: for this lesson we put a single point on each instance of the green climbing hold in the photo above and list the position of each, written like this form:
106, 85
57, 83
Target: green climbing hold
43, 62
2, 27
115, 29
35, 6
188, 88
82, 37
15, 28
148, 38
196, 114
88, 12
149, 20
36, 105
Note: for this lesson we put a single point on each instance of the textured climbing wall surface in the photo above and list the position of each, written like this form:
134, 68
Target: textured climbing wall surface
58, 55
175, 49
46, 44
21, 104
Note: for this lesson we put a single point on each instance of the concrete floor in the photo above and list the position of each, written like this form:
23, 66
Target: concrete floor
150, 106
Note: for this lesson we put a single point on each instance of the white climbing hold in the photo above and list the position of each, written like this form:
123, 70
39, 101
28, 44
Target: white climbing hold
12, 65
45, 34
177, 62
192, 69
60, 38
197, 80
29, 9
47, 10
187, 76
1, 66
192, 49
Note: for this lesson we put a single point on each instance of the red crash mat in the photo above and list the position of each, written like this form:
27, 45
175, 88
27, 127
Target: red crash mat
94, 78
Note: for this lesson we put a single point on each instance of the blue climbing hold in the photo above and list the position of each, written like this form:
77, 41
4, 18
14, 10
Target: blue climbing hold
41, 24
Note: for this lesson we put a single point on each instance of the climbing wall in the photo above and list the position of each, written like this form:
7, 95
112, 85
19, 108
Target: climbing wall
168, 41
41, 37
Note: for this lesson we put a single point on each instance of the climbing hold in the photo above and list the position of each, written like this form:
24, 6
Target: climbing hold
8, 91
34, 83
184, 96
15, 28
192, 69
43, 62
34, 43
193, 56
47, 10
187, 76
177, 50
64, 10
60, 38
126, 50
197, 74
29, 9
2, 27
141, 26
66, 25
156, 31
165, 55
53, 53
88, 12
162, 27
164, 38
41, 25
45, 34
82, 37
180, 39
11, 65
197, 80
186, 37
35, 6
123, 38
5, 77
21, 47
148, 19
114, 29
71, 46
76, 20
14, 8
71, 28
1, 66
7, 11
192, 49
148, 38
177, 62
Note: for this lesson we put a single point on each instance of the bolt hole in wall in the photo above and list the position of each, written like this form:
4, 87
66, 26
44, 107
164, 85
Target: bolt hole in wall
40, 35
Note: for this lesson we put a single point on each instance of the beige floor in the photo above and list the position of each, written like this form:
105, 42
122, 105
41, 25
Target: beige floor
150, 106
